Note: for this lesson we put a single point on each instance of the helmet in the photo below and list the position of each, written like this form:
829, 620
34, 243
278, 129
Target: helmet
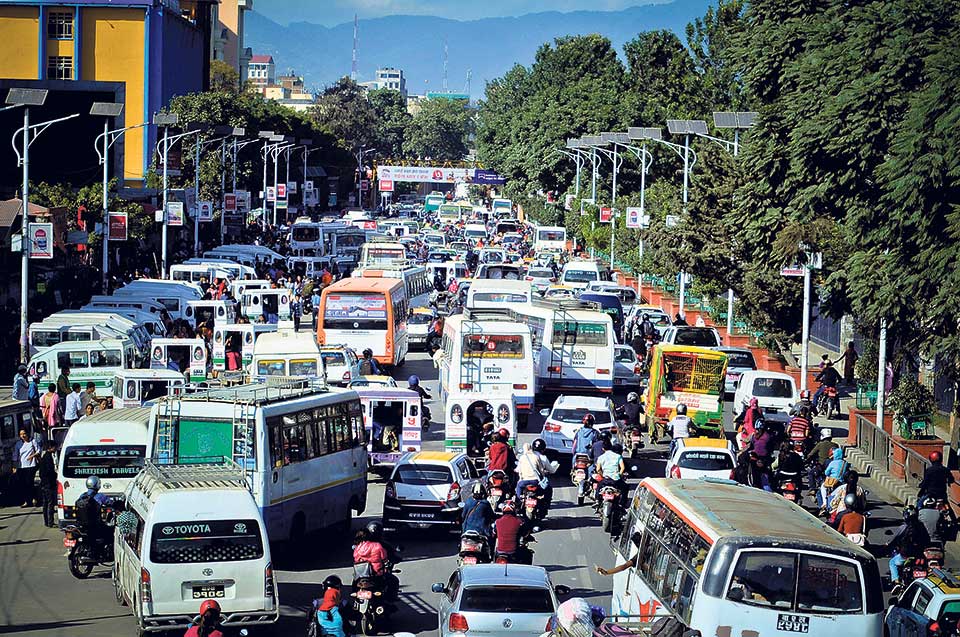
332, 581
681, 410
759, 425
909, 513
93, 483
539, 445
646, 317
503, 433
805, 394
588, 420
479, 491
508, 506
935, 457
851, 501
375, 530
368, 352
826, 433
413, 381
209, 605
633, 397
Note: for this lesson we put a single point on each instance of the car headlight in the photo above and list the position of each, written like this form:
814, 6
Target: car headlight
456, 414
503, 413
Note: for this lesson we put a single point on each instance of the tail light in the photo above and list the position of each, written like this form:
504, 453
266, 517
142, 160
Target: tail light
268, 586
146, 594
551, 428
59, 494
528, 278
466, 385
389, 492
675, 471
520, 386
454, 492
933, 629
458, 623
733, 474
551, 624
603, 371
553, 279
554, 369
636, 369
346, 376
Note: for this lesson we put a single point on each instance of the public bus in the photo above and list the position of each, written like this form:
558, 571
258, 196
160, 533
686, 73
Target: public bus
433, 202
550, 239
573, 347
366, 312
416, 281
727, 559
502, 208
301, 447
382, 254
449, 213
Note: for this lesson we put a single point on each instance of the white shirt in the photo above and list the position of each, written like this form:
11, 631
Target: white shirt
680, 426
23, 451
74, 408
533, 466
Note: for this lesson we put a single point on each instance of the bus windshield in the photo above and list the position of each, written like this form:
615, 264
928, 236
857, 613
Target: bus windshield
551, 235
355, 311
580, 276
305, 234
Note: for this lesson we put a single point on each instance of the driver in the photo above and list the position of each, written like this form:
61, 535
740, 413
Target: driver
89, 508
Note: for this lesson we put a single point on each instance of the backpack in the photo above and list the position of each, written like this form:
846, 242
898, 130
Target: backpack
366, 367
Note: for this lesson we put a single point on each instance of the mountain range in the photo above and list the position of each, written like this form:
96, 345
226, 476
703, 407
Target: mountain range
487, 48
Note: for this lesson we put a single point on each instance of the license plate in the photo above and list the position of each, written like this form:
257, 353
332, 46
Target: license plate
207, 592
580, 474
69, 542
531, 503
793, 623
919, 574
619, 381
469, 560
609, 496
496, 492
422, 516
771, 410
362, 594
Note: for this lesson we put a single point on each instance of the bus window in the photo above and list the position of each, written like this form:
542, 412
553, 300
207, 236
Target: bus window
74, 360
271, 368
303, 367
764, 578
355, 311
106, 358
579, 334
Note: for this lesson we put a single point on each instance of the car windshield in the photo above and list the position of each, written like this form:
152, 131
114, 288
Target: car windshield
423, 474
740, 359
580, 276
420, 319
697, 460
506, 599
698, 337
576, 414
774, 579
195, 541
772, 388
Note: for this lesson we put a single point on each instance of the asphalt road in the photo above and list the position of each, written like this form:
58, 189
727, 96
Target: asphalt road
39, 597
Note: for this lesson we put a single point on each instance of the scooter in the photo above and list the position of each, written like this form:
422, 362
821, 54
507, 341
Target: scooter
790, 486
829, 402
369, 597
578, 475
498, 486
474, 549
609, 508
533, 498
633, 439
523, 554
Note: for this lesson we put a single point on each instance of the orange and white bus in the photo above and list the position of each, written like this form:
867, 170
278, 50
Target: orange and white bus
366, 312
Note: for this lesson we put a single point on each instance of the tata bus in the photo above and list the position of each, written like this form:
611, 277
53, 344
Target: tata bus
550, 239
366, 313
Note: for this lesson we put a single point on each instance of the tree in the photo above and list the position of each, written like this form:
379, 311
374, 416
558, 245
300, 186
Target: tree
223, 77
392, 120
439, 131
344, 110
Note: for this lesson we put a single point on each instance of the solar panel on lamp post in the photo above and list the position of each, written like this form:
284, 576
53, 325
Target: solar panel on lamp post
109, 111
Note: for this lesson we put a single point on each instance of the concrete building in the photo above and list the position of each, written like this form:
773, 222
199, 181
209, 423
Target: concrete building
228, 34
138, 52
393, 79
261, 72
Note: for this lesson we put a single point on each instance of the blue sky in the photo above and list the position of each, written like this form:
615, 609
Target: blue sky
332, 12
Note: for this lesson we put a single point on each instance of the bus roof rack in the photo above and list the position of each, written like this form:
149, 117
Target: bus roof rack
282, 388
566, 304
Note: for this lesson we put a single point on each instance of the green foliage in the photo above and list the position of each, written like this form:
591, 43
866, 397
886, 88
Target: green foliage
139, 223
223, 77
911, 398
439, 131
344, 110
392, 120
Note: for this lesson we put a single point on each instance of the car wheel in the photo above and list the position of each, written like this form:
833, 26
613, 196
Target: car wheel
117, 588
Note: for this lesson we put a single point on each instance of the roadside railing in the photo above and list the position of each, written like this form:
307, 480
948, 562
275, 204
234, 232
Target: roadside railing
888, 455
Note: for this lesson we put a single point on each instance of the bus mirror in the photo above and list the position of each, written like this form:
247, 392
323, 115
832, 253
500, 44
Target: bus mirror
560, 589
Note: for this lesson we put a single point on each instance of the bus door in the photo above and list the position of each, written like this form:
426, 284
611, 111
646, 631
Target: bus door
184, 355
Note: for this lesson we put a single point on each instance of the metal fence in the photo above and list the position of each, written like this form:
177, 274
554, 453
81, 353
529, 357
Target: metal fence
887, 455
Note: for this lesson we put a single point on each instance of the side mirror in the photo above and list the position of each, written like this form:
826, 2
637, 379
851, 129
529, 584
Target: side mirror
888, 532
560, 589
438, 588
544, 412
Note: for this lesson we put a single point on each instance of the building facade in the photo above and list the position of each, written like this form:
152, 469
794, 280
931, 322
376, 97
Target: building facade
140, 53
392, 79
261, 72
228, 35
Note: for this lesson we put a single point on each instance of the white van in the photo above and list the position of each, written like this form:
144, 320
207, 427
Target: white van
493, 293
245, 254
196, 272
266, 302
244, 337
221, 311
184, 355
54, 329
475, 232
578, 273
193, 532
90, 362
232, 268
286, 353
237, 287
111, 445
173, 295
152, 324
135, 387
144, 304
114, 324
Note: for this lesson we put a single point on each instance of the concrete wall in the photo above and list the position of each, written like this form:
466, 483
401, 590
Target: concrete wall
20, 28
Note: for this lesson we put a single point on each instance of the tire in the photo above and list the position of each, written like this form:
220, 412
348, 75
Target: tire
117, 590
78, 570
367, 626
606, 522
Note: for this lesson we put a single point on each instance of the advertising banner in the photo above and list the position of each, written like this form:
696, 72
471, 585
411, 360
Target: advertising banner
606, 214
271, 193
118, 226
243, 201
174, 213
386, 185
424, 174
308, 186
292, 187
205, 209
229, 202
281, 191
41, 240
488, 177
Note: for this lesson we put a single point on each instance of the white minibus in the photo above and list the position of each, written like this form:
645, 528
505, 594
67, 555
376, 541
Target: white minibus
239, 338
114, 325
90, 362
475, 232
493, 293
728, 559
578, 273
550, 239
219, 311
232, 268
271, 303
197, 272
193, 532
416, 282
173, 295
237, 287
380, 254
111, 445
136, 387
286, 354
449, 213
302, 447
185, 355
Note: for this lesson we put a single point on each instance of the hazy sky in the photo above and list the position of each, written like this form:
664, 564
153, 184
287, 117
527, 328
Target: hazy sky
332, 12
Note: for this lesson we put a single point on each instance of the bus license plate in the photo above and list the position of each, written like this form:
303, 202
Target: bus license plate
207, 592
793, 623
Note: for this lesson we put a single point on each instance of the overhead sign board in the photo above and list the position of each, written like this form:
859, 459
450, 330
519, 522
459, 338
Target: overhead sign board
792, 270
424, 174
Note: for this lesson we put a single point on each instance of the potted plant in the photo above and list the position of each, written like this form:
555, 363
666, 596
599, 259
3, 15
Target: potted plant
913, 404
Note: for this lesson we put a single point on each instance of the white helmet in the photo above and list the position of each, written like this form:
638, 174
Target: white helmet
826, 433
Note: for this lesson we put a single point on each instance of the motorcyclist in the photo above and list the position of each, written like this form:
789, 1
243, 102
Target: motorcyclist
533, 466
908, 541
477, 513
89, 508
501, 455
851, 521
761, 443
611, 468
819, 456
799, 429
585, 436
681, 426
803, 404
509, 530
746, 422
647, 328
327, 608
936, 479
789, 464
828, 377
414, 385
369, 365
371, 549
208, 622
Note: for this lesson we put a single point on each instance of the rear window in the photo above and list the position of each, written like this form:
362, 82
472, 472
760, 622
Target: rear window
576, 415
579, 334
740, 359
772, 388
705, 461
500, 297
506, 599
105, 461
492, 346
540, 274
420, 319
423, 474
271, 368
193, 541
305, 367
626, 355
332, 358
580, 276
696, 337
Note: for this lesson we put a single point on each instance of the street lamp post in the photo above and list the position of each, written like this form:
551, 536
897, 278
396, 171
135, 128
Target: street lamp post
267, 136
282, 145
27, 97
646, 160
163, 148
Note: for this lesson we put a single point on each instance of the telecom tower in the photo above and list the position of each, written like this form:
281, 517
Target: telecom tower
446, 57
356, 39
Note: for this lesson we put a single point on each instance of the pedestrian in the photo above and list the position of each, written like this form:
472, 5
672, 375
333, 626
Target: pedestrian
50, 406
73, 409
849, 358
63, 384
21, 386
888, 379
48, 482
296, 310
25, 455
315, 305
89, 397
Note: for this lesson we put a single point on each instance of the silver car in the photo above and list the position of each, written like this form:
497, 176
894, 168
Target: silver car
512, 600
626, 371
739, 360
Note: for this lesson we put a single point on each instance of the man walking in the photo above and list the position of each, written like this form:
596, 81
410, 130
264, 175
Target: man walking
296, 310
21, 386
48, 483
25, 455
74, 406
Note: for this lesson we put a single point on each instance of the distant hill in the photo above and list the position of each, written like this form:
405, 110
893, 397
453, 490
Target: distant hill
488, 47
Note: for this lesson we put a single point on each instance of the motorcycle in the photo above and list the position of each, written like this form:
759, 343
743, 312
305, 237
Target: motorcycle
474, 549
523, 554
790, 486
578, 475
829, 402
369, 597
634, 440
424, 417
609, 508
498, 486
533, 503
86, 552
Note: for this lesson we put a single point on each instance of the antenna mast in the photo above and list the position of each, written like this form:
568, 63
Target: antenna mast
356, 38
446, 56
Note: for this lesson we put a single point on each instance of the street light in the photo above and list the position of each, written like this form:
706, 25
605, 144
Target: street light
163, 148
27, 97
225, 132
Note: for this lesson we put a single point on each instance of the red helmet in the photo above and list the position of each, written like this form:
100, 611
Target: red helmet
503, 433
805, 394
935, 457
209, 605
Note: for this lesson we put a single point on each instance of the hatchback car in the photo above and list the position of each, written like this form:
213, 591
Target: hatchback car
739, 360
702, 457
341, 364
426, 490
776, 393
626, 368
566, 416
540, 278
928, 606
509, 600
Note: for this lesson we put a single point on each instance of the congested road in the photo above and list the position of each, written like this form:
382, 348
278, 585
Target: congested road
39, 596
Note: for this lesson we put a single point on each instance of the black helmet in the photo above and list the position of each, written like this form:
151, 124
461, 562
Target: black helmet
909, 513
681, 410
479, 491
851, 501
539, 445
375, 530
332, 581
646, 317
367, 352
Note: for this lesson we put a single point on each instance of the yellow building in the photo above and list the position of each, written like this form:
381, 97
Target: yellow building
140, 53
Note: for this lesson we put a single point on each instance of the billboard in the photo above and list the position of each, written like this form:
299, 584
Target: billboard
205, 209
41, 240
229, 202
118, 226
606, 214
174, 213
386, 185
424, 174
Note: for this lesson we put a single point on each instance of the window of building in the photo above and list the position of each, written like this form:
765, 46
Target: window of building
59, 67
60, 25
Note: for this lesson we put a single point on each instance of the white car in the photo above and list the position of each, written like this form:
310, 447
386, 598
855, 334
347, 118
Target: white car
775, 392
626, 367
540, 278
656, 315
341, 364
702, 458
689, 335
566, 416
